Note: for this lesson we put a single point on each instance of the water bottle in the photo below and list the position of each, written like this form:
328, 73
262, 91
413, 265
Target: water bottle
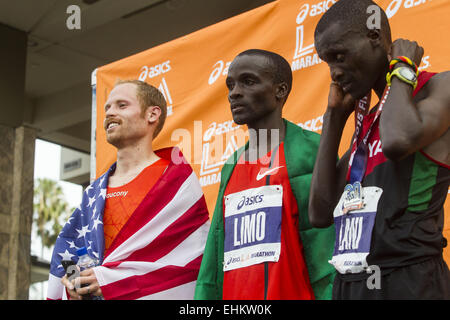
86, 262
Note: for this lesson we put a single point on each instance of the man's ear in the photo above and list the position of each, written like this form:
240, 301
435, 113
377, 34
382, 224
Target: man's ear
152, 114
374, 36
282, 91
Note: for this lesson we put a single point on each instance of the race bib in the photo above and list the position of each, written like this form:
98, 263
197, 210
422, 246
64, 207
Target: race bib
354, 231
252, 226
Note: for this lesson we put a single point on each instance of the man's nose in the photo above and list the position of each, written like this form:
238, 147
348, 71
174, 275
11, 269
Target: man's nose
110, 111
336, 74
234, 93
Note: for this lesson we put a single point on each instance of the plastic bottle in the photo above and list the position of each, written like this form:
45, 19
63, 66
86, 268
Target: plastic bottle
86, 262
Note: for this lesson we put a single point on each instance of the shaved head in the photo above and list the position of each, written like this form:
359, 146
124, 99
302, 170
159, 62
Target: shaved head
281, 69
353, 15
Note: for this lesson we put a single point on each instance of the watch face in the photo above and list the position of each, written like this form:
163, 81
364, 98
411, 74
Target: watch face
407, 73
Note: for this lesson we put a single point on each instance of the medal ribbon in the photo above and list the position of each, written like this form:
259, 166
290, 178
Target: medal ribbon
358, 158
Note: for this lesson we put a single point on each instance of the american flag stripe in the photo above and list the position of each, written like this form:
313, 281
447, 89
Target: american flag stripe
172, 236
158, 198
186, 196
55, 288
182, 292
164, 278
180, 256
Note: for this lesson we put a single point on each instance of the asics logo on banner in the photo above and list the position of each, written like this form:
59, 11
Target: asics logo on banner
155, 70
220, 68
393, 7
267, 172
247, 201
304, 56
316, 9
218, 129
313, 124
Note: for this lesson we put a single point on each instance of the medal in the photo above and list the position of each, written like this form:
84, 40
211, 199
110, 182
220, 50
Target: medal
355, 213
353, 197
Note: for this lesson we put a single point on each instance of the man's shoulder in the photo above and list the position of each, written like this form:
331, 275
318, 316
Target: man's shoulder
440, 75
443, 79
234, 157
312, 135
297, 132
435, 83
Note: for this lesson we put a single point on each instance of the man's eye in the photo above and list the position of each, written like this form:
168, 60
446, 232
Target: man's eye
340, 57
230, 85
249, 81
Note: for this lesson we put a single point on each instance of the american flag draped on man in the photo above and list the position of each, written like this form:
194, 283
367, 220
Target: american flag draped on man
157, 254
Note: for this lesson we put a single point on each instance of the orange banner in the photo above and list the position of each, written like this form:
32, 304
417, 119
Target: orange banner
190, 72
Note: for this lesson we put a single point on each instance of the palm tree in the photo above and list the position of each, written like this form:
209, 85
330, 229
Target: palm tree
50, 209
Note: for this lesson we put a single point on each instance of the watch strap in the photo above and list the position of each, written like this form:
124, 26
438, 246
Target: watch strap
396, 72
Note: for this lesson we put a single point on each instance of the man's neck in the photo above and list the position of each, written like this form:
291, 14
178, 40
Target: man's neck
380, 85
131, 160
263, 138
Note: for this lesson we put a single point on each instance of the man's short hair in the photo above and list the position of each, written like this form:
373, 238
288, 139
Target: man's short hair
282, 70
353, 14
147, 96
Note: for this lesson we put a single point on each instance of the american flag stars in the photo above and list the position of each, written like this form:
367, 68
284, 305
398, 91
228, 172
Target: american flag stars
84, 227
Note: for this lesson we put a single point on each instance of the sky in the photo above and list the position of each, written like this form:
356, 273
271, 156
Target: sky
47, 165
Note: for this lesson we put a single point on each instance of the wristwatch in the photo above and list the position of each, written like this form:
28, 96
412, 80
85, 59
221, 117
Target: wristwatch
405, 74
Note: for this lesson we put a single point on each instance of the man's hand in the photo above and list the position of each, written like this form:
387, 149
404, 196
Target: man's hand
328, 179
75, 289
70, 288
338, 100
407, 48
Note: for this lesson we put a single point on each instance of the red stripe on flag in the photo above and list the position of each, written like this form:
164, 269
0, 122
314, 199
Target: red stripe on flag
156, 199
112, 264
173, 235
162, 279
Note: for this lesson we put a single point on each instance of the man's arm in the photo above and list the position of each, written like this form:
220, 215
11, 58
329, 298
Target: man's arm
328, 179
407, 126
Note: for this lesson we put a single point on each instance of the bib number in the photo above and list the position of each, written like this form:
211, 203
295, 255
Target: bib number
252, 226
354, 230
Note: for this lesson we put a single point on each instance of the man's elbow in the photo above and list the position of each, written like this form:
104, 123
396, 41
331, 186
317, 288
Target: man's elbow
397, 149
320, 223
398, 144
319, 217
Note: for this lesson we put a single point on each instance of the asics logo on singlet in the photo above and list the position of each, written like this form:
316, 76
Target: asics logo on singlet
246, 201
117, 194
267, 172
